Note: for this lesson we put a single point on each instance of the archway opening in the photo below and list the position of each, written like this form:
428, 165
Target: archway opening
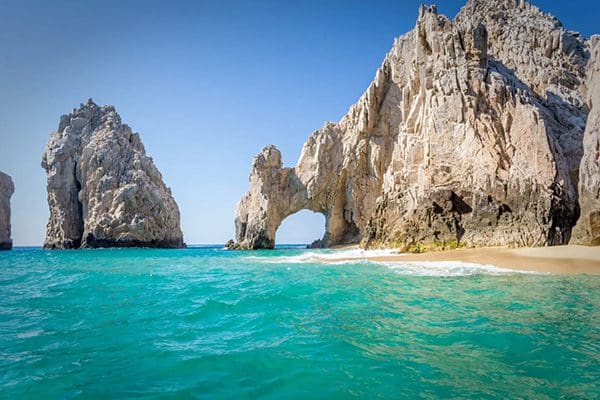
301, 228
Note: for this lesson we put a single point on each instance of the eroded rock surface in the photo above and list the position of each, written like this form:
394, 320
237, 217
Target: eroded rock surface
103, 190
587, 230
470, 134
7, 188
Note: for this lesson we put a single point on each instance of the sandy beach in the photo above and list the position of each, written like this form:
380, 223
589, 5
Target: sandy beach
557, 260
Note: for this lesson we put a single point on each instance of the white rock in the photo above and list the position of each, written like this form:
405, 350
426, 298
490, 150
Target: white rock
470, 133
587, 230
103, 190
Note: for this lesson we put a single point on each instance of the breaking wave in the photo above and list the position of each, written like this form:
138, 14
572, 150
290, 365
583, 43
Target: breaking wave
412, 268
449, 269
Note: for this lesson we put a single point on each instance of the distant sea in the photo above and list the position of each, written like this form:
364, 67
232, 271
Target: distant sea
212, 324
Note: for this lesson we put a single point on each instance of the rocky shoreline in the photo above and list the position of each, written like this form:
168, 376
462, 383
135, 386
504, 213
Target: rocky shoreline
481, 131
571, 259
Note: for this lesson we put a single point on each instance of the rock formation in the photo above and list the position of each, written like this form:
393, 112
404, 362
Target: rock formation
7, 188
103, 190
470, 134
587, 230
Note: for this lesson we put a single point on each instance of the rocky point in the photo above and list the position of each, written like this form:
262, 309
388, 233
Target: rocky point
471, 134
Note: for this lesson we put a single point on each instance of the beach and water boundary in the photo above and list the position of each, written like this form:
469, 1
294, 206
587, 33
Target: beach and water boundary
557, 259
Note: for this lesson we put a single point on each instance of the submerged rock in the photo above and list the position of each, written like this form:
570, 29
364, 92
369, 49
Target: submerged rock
7, 188
469, 135
103, 190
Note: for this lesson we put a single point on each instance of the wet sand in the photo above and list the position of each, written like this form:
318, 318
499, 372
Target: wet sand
557, 260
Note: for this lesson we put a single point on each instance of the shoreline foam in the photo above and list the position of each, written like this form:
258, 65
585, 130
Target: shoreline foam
556, 260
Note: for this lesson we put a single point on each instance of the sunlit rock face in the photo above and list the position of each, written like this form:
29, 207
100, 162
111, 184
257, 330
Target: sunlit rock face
471, 133
7, 188
103, 190
587, 230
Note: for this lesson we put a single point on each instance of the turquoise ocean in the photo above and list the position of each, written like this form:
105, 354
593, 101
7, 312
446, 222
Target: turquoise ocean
212, 324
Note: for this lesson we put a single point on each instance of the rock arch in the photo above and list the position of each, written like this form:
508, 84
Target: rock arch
275, 194
460, 139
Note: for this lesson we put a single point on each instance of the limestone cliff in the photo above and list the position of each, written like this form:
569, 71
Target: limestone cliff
7, 188
587, 230
103, 190
470, 134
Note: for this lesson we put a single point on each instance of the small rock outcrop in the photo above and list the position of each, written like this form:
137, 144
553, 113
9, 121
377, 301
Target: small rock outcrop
7, 188
587, 231
470, 134
103, 190
317, 244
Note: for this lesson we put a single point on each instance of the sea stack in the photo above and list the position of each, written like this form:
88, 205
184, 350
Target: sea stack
7, 188
471, 134
103, 190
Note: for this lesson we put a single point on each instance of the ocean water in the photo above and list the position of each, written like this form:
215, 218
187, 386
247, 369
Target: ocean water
211, 324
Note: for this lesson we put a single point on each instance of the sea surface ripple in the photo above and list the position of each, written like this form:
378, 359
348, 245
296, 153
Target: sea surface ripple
212, 324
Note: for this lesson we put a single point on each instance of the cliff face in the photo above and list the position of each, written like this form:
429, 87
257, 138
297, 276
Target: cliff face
103, 190
7, 188
471, 133
587, 230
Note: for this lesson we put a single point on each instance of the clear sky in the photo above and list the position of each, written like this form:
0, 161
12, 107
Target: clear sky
206, 83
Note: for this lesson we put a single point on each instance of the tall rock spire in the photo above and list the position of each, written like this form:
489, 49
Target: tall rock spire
103, 190
7, 188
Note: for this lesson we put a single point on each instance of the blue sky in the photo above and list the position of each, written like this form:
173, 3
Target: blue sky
207, 85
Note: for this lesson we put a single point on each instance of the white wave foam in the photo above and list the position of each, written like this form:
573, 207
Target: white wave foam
307, 257
329, 256
359, 254
414, 268
449, 269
